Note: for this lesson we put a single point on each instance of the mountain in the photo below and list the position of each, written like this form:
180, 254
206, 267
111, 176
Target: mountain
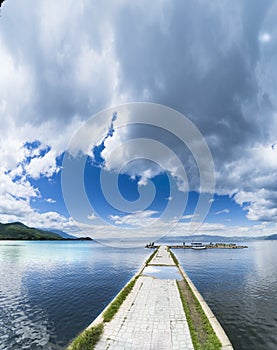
70, 237
64, 234
271, 238
215, 238
19, 231
205, 238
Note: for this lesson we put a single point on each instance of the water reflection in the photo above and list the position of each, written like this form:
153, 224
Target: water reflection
163, 272
19, 320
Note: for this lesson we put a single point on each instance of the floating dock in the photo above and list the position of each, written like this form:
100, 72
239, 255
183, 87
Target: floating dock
210, 246
152, 316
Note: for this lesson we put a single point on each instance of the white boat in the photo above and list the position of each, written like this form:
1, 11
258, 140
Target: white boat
198, 246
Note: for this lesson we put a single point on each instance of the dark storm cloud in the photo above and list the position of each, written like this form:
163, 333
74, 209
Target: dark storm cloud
199, 58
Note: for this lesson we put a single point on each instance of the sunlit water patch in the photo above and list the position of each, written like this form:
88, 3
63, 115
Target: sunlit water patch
162, 272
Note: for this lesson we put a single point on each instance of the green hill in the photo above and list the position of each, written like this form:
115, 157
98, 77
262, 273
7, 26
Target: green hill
19, 231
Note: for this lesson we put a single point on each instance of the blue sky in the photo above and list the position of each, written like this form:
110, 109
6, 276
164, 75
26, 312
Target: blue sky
69, 84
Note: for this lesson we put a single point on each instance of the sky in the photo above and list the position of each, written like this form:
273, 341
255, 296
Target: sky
117, 118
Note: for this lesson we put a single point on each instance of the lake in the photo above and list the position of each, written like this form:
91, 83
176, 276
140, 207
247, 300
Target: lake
50, 291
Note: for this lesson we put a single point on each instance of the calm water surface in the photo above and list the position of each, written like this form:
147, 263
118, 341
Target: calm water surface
50, 291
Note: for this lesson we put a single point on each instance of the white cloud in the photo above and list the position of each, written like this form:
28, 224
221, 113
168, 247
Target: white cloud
187, 217
92, 216
20, 211
50, 200
43, 166
251, 179
260, 204
140, 218
146, 158
223, 211
20, 188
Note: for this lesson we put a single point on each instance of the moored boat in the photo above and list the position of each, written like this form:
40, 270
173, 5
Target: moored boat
198, 246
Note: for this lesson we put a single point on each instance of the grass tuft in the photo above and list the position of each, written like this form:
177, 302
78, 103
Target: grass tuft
202, 334
87, 339
176, 262
210, 342
115, 305
151, 257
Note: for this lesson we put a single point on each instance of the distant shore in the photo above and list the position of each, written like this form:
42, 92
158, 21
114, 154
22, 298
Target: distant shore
202, 246
211, 246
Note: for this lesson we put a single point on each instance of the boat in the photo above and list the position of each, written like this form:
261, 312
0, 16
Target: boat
198, 246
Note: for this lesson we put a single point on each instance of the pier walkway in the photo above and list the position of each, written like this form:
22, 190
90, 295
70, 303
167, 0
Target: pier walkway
162, 257
152, 315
